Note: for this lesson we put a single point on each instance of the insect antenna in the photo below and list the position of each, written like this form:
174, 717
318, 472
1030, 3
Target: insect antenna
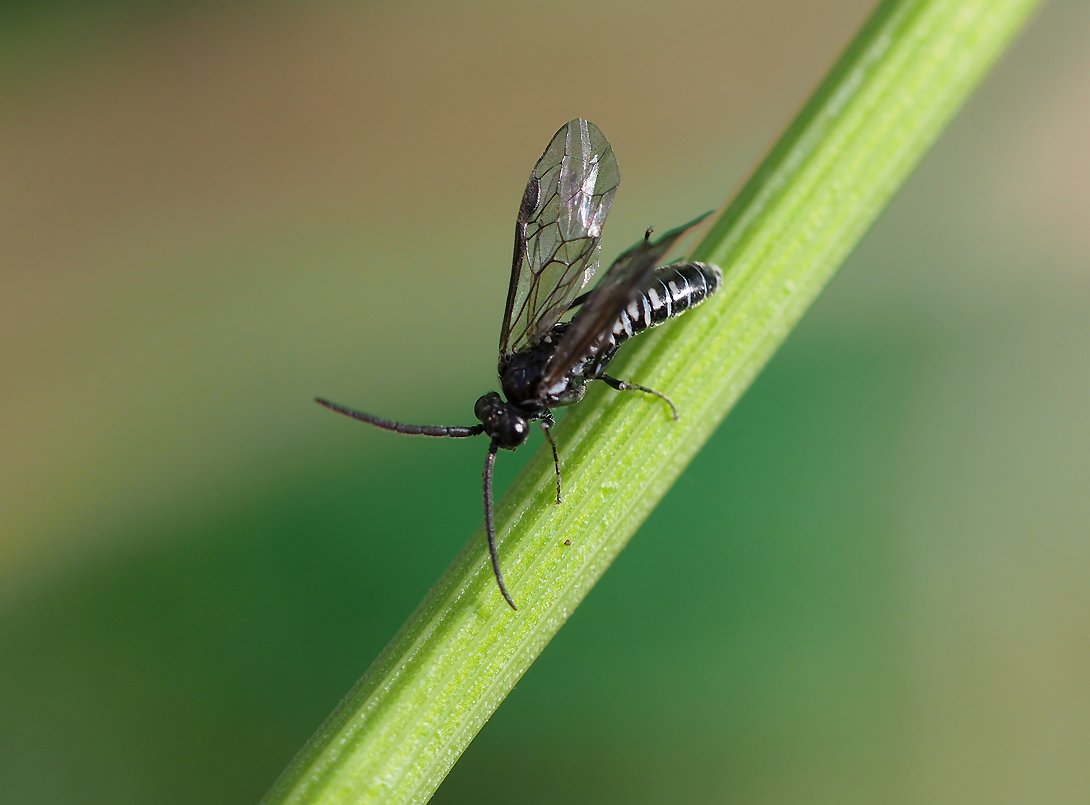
453, 431
489, 463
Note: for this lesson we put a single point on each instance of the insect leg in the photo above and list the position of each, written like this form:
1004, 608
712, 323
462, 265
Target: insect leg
621, 385
455, 431
547, 423
493, 553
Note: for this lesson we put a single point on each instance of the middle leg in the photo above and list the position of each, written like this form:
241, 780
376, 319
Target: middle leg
547, 423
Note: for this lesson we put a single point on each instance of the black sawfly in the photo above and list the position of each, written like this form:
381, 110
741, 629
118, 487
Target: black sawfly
554, 339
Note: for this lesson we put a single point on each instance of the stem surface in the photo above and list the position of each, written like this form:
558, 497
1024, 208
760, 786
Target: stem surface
402, 727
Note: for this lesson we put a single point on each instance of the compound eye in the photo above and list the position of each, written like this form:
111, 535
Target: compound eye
515, 431
488, 406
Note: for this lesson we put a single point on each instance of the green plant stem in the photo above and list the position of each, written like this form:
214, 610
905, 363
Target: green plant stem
401, 728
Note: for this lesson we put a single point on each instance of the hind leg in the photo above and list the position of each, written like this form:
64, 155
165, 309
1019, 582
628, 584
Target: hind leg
621, 385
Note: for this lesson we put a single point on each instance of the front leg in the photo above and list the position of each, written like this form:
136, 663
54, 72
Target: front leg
547, 423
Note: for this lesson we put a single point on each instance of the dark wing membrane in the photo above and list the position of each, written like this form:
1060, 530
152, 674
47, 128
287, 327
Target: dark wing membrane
630, 274
556, 236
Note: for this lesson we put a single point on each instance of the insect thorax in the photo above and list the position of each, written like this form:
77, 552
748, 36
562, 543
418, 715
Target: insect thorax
521, 376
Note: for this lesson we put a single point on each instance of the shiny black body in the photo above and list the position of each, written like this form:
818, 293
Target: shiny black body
545, 362
674, 289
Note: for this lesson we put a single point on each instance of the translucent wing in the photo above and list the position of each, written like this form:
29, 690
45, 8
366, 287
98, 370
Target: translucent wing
559, 226
630, 274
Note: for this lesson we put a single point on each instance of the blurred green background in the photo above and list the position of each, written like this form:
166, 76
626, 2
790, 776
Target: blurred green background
873, 585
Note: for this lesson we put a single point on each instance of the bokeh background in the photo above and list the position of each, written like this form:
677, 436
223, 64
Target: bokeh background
873, 585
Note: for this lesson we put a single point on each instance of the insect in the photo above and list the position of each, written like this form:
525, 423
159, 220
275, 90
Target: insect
555, 340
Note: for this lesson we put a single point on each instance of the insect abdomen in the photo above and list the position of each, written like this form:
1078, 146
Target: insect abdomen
675, 289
